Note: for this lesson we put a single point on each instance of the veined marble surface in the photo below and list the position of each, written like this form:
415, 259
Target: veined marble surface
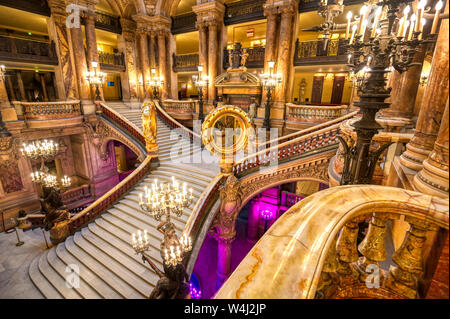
287, 262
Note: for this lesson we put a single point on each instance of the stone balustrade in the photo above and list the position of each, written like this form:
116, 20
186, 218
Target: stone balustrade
176, 106
48, 110
28, 51
314, 113
312, 250
77, 196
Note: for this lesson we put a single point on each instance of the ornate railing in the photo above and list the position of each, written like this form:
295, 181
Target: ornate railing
244, 11
184, 23
312, 5
185, 63
20, 50
176, 106
289, 199
77, 194
282, 152
107, 22
113, 59
174, 124
124, 186
322, 259
110, 197
313, 113
50, 110
315, 52
126, 124
255, 57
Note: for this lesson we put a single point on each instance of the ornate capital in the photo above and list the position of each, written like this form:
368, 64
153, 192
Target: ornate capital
209, 14
128, 28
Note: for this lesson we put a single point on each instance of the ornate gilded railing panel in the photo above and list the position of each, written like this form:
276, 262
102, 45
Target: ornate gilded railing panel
307, 52
314, 113
107, 22
184, 23
312, 246
244, 11
116, 59
20, 50
255, 57
185, 63
176, 106
50, 110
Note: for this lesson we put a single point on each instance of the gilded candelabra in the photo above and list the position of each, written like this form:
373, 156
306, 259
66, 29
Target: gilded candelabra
372, 59
96, 78
269, 81
200, 83
156, 83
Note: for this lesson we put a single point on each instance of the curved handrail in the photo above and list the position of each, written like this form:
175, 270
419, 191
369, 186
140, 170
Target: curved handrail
308, 142
124, 186
122, 121
171, 122
287, 261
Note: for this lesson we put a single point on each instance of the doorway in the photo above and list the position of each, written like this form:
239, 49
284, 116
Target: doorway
338, 89
316, 96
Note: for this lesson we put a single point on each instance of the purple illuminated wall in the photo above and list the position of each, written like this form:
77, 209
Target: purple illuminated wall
250, 226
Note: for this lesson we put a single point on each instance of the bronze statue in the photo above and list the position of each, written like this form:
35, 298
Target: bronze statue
53, 208
173, 281
236, 56
149, 126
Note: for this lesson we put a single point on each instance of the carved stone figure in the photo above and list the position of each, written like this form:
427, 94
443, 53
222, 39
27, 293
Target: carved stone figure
252, 111
149, 127
235, 56
173, 281
231, 200
244, 57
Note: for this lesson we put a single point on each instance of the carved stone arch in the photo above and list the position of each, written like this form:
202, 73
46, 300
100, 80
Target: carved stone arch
130, 10
165, 7
116, 6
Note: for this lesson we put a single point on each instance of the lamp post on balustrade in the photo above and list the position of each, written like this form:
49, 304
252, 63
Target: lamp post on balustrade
200, 83
156, 83
3, 130
269, 81
96, 78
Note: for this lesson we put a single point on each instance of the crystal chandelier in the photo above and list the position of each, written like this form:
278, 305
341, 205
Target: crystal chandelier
159, 200
40, 149
174, 255
140, 243
66, 181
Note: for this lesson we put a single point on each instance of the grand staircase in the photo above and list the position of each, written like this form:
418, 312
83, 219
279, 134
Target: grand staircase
101, 252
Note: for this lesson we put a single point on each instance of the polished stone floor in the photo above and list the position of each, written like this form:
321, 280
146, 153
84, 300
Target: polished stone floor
15, 282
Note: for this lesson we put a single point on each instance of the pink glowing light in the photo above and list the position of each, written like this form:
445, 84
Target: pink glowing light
195, 294
267, 214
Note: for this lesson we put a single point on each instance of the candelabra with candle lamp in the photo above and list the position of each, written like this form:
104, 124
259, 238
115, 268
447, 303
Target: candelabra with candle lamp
3, 130
374, 59
200, 83
163, 200
269, 82
96, 78
156, 83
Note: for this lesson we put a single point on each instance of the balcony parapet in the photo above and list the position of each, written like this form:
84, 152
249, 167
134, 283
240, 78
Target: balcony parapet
27, 51
185, 62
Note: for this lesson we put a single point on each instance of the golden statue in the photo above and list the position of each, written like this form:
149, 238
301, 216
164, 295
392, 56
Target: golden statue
149, 126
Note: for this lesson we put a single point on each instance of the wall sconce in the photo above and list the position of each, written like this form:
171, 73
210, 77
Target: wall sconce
424, 79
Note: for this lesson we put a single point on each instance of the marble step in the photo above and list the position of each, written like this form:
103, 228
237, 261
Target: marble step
87, 277
84, 290
41, 283
122, 254
122, 239
193, 171
55, 279
108, 262
115, 282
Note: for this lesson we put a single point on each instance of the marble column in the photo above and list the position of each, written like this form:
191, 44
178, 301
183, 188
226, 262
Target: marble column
91, 44
224, 249
143, 53
43, 86
212, 60
253, 222
4, 100
433, 178
433, 104
23, 96
152, 50
284, 52
130, 76
270, 38
11, 89
65, 72
81, 70
162, 51
404, 89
